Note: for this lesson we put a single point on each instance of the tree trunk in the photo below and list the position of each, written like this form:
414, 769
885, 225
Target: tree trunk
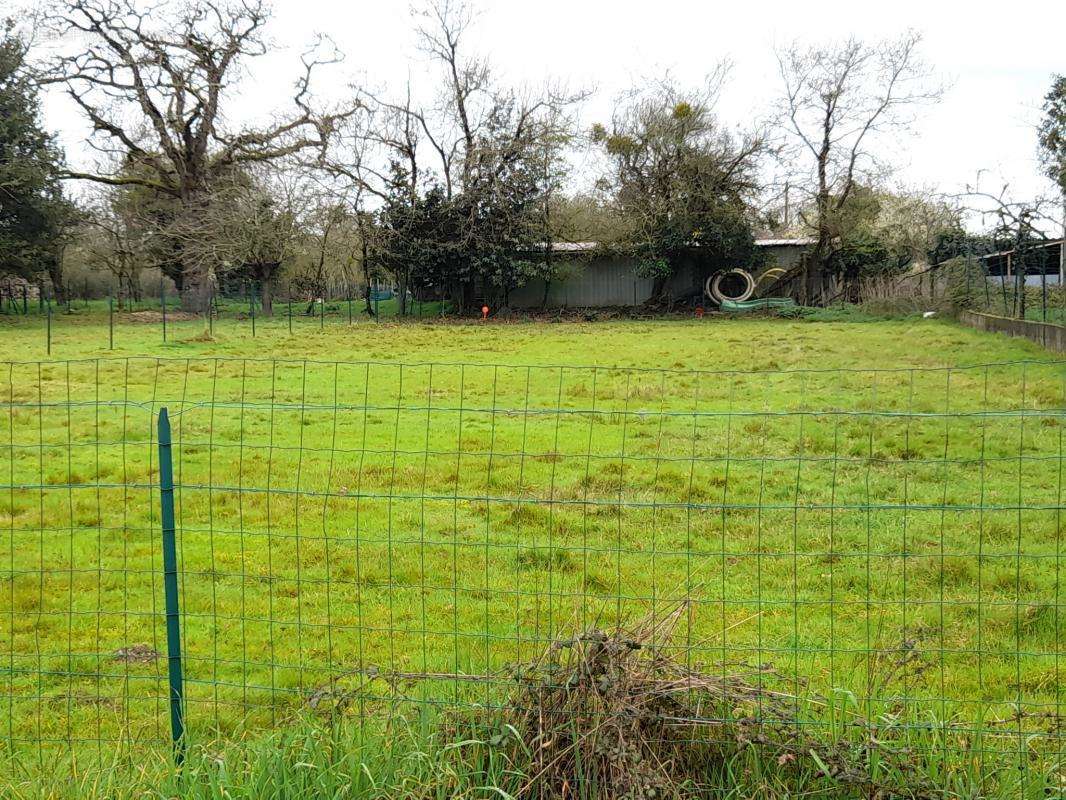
364, 262
1062, 248
463, 296
401, 289
268, 278
55, 275
194, 293
658, 291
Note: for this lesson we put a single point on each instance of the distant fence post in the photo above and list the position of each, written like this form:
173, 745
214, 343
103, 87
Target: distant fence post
170, 587
163, 305
110, 322
48, 325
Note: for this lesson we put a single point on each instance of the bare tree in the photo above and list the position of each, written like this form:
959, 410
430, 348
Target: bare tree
1021, 228
249, 224
111, 241
354, 179
481, 148
838, 102
154, 83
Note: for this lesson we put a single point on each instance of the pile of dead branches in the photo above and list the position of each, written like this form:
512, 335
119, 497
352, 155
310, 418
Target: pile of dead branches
620, 716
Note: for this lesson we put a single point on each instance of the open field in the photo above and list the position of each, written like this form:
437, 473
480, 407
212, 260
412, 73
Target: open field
853, 503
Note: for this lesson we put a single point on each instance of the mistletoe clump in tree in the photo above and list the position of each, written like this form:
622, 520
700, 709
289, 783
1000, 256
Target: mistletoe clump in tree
680, 182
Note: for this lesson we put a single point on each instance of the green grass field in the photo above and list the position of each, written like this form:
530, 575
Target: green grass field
871, 507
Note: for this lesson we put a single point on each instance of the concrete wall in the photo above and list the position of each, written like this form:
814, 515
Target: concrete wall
1053, 337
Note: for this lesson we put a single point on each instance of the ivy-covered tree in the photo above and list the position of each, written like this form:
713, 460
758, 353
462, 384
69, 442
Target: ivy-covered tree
1053, 148
32, 208
1053, 133
680, 181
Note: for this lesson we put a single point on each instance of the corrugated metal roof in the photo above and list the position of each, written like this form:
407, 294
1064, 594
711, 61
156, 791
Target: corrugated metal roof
581, 247
1049, 243
799, 241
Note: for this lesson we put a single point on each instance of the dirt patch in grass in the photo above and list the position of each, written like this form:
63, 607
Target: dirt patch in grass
152, 317
136, 654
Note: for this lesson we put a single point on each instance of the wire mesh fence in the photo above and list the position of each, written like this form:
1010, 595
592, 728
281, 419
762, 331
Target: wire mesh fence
1023, 282
882, 544
111, 322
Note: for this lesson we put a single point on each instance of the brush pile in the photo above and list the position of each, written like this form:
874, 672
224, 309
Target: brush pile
615, 716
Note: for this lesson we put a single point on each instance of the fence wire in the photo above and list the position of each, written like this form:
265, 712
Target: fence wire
360, 535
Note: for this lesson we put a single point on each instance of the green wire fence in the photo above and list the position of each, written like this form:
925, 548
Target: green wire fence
363, 537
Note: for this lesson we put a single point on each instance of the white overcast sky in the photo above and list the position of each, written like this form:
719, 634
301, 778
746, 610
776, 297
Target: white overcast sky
997, 59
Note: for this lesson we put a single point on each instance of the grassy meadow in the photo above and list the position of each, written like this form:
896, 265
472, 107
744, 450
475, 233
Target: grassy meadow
872, 507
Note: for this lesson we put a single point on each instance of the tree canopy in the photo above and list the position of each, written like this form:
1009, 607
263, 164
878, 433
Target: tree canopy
32, 208
680, 180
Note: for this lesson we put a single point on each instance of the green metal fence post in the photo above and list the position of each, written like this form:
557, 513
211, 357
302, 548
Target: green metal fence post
49, 326
170, 587
163, 302
290, 309
110, 322
25, 301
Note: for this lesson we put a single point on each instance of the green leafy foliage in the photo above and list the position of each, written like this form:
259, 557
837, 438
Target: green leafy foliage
32, 208
1053, 132
680, 181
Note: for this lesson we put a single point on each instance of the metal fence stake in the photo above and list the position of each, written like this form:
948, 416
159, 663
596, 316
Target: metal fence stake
170, 587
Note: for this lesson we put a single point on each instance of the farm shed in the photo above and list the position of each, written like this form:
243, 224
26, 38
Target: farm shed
589, 279
1042, 261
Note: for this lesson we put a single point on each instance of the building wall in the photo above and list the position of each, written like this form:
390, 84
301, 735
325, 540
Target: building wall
606, 281
784, 256
587, 283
